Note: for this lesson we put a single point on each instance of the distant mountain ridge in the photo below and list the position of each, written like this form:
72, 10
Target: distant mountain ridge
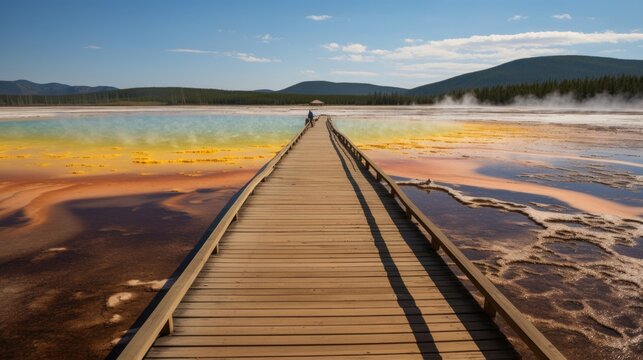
341, 88
623, 88
534, 70
523, 71
25, 87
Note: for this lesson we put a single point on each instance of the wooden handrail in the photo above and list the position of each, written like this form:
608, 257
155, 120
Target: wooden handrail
160, 319
494, 300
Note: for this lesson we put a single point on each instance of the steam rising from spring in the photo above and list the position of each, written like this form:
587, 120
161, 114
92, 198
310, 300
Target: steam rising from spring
556, 100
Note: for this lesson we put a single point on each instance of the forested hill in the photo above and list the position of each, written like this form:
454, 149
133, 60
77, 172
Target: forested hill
535, 70
24, 87
342, 88
626, 87
524, 71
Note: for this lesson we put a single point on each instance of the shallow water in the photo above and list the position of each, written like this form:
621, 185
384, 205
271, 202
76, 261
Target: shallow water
139, 143
566, 259
619, 183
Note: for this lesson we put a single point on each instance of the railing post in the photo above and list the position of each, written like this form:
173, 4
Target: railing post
408, 212
489, 307
435, 243
168, 328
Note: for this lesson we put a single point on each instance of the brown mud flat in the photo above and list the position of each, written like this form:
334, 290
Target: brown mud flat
90, 278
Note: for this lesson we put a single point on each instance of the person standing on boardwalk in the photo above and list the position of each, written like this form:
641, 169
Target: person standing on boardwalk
311, 118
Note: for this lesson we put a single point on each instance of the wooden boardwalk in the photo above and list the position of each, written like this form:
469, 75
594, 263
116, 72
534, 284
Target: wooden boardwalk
322, 263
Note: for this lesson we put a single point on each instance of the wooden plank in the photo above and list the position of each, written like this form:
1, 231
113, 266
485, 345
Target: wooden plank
209, 295
336, 291
442, 310
315, 350
293, 276
334, 339
330, 329
427, 319
309, 304
475, 355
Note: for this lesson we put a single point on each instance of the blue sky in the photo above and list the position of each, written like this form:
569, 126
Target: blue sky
272, 44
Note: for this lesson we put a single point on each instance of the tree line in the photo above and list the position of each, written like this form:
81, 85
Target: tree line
627, 87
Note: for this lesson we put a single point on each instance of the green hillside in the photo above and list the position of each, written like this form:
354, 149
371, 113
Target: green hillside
25, 87
342, 88
535, 70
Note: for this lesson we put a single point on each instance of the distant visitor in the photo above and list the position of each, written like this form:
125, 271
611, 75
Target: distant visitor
311, 118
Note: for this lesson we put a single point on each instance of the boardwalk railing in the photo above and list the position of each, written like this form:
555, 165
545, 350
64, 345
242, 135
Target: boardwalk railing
160, 320
494, 300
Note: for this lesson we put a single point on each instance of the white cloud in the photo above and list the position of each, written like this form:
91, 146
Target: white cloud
353, 73
518, 18
265, 38
247, 57
437, 70
439, 59
92, 47
611, 51
308, 72
354, 48
319, 17
353, 52
379, 52
192, 51
497, 47
562, 16
251, 58
353, 58
331, 46
412, 41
